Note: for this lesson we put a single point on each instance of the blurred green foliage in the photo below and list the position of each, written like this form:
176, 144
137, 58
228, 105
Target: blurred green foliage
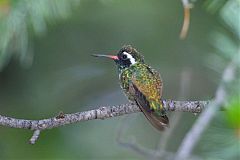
233, 113
54, 40
221, 140
18, 18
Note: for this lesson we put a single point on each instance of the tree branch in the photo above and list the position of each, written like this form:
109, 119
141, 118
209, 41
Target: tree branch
100, 113
193, 136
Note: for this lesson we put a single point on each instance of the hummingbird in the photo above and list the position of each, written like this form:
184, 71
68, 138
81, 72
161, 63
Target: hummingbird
141, 84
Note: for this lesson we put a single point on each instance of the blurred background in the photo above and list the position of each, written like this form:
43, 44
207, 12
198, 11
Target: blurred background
46, 67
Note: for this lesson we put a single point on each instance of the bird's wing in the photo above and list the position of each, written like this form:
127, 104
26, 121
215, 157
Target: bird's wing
146, 88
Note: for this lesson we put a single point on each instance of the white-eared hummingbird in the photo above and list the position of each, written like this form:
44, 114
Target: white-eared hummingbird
141, 84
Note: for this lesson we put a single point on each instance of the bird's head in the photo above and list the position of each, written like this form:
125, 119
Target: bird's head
126, 57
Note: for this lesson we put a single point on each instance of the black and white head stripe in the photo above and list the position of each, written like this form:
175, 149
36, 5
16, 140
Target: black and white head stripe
130, 57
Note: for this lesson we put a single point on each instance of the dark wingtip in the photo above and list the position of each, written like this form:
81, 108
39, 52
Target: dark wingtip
165, 121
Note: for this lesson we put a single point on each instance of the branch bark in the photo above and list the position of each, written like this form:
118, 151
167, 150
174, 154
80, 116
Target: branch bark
100, 113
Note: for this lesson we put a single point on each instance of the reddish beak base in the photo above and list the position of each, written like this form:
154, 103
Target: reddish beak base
107, 56
113, 57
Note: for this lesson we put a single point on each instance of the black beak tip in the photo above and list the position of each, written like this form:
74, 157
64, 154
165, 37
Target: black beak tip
94, 55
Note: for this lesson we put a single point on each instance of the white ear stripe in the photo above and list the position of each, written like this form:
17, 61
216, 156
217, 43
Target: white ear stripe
129, 56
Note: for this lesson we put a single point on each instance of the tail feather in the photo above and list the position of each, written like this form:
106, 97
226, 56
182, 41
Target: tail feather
159, 122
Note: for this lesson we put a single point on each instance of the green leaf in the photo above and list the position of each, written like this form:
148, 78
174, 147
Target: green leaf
233, 113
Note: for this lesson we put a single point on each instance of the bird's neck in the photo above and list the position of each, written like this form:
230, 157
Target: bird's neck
122, 68
130, 68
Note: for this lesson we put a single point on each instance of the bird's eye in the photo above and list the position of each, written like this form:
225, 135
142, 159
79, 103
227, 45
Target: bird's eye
124, 57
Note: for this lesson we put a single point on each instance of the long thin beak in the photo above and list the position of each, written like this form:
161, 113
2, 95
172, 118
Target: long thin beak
107, 56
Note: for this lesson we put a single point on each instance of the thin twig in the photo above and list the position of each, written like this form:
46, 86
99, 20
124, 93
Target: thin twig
186, 20
207, 115
34, 137
100, 113
134, 146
